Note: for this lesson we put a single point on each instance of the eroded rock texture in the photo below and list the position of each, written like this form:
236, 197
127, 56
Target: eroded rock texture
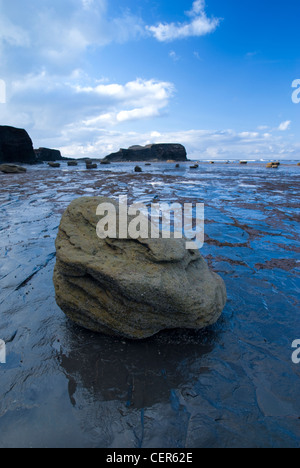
131, 288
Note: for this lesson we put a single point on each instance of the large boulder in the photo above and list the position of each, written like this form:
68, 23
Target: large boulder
12, 169
160, 152
16, 146
48, 155
131, 288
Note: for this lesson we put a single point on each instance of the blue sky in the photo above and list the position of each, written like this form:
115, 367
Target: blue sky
91, 76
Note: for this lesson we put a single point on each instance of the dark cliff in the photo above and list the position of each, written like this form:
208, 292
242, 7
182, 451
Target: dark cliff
16, 146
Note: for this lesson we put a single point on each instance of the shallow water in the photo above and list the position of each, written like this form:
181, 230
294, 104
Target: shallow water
232, 385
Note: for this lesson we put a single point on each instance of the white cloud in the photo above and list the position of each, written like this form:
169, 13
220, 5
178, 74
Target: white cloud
284, 126
199, 25
248, 135
174, 56
149, 91
137, 114
263, 127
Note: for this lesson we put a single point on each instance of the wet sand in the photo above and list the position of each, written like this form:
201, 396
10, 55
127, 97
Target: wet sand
232, 385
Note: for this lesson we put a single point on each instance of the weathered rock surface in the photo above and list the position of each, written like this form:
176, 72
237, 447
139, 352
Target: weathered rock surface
131, 288
16, 146
12, 169
160, 152
46, 154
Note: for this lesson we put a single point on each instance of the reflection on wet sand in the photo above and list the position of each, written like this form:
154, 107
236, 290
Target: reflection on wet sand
137, 374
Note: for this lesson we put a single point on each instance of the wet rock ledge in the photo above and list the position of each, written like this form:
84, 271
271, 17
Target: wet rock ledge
131, 288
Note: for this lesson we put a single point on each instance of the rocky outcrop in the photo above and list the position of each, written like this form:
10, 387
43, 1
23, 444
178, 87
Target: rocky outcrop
131, 288
162, 152
12, 169
16, 146
48, 155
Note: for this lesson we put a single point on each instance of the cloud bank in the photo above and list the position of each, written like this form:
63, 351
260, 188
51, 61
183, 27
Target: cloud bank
44, 101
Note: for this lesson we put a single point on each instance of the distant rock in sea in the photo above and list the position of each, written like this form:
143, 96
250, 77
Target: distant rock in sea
273, 165
131, 288
16, 146
158, 152
91, 165
48, 155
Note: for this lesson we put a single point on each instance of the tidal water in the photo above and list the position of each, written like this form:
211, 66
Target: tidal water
232, 385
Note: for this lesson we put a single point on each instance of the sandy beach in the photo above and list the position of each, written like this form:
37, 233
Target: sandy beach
233, 384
